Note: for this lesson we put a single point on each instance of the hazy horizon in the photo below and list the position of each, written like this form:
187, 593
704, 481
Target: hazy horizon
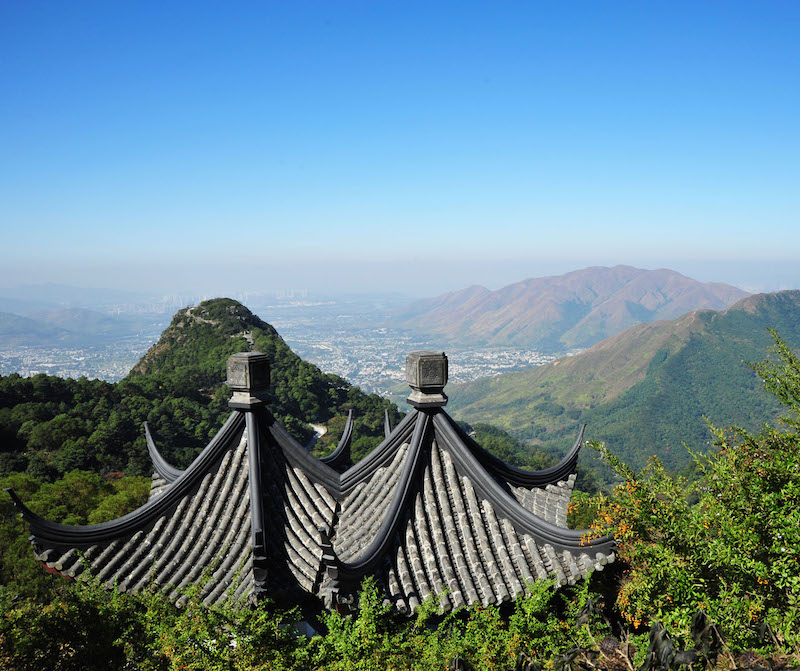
753, 277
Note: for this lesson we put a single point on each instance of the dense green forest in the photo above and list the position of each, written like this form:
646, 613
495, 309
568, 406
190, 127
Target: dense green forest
708, 577
50, 426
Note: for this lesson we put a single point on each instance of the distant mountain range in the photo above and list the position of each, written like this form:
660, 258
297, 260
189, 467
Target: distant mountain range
72, 327
43, 298
50, 297
18, 330
565, 312
646, 390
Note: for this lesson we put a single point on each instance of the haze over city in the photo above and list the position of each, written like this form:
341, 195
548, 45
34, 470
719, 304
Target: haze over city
391, 146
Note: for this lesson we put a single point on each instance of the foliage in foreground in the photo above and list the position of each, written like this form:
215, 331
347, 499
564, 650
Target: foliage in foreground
80, 497
709, 578
89, 627
729, 543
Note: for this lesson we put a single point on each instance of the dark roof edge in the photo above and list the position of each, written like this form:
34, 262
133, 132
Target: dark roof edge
75, 536
299, 457
341, 484
403, 490
387, 424
382, 454
258, 541
339, 459
506, 505
161, 465
519, 477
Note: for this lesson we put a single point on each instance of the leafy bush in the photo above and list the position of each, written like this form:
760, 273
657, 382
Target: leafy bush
80, 497
727, 544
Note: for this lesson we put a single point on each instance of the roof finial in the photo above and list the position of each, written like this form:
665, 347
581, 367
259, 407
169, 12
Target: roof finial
248, 376
426, 373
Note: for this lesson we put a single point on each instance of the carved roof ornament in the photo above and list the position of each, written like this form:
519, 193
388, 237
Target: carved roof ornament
426, 512
426, 374
248, 377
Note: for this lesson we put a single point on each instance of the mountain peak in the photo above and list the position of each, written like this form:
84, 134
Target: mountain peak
230, 316
216, 323
647, 389
562, 312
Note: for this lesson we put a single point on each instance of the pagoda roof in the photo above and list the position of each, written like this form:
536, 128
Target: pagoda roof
427, 512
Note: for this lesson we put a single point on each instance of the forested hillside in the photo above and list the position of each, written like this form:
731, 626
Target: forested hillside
648, 389
49, 426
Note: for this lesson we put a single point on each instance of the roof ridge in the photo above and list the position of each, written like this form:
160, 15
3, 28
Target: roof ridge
522, 519
375, 551
520, 477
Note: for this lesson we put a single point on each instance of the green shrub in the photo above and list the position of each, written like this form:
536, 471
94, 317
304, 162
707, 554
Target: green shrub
727, 544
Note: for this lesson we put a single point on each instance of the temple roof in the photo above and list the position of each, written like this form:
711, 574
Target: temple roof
426, 512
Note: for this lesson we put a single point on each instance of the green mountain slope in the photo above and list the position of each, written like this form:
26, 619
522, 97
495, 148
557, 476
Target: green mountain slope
645, 391
49, 426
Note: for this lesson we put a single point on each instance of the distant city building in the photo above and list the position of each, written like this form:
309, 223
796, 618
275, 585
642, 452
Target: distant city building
428, 511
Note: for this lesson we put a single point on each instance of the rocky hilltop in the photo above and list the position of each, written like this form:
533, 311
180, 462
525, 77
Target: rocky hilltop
178, 388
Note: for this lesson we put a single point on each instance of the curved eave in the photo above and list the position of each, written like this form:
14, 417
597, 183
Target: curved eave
340, 484
401, 499
438, 426
168, 472
382, 454
299, 457
339, 459
519, 477
524, 521
77, 536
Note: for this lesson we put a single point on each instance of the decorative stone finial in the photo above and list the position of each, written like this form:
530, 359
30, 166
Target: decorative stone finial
426, 373
248, 376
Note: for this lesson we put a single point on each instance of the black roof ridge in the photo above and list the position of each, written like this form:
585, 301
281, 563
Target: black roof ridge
299, 457
258, 540
381, 454
340, 459
387, 423
339, 485
166, 470
520, 477
404, 489
450, 437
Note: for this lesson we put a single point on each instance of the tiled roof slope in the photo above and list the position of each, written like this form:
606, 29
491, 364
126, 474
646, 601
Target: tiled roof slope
426, 512
171, 540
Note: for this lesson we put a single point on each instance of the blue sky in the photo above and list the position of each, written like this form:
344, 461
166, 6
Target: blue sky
396, 145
